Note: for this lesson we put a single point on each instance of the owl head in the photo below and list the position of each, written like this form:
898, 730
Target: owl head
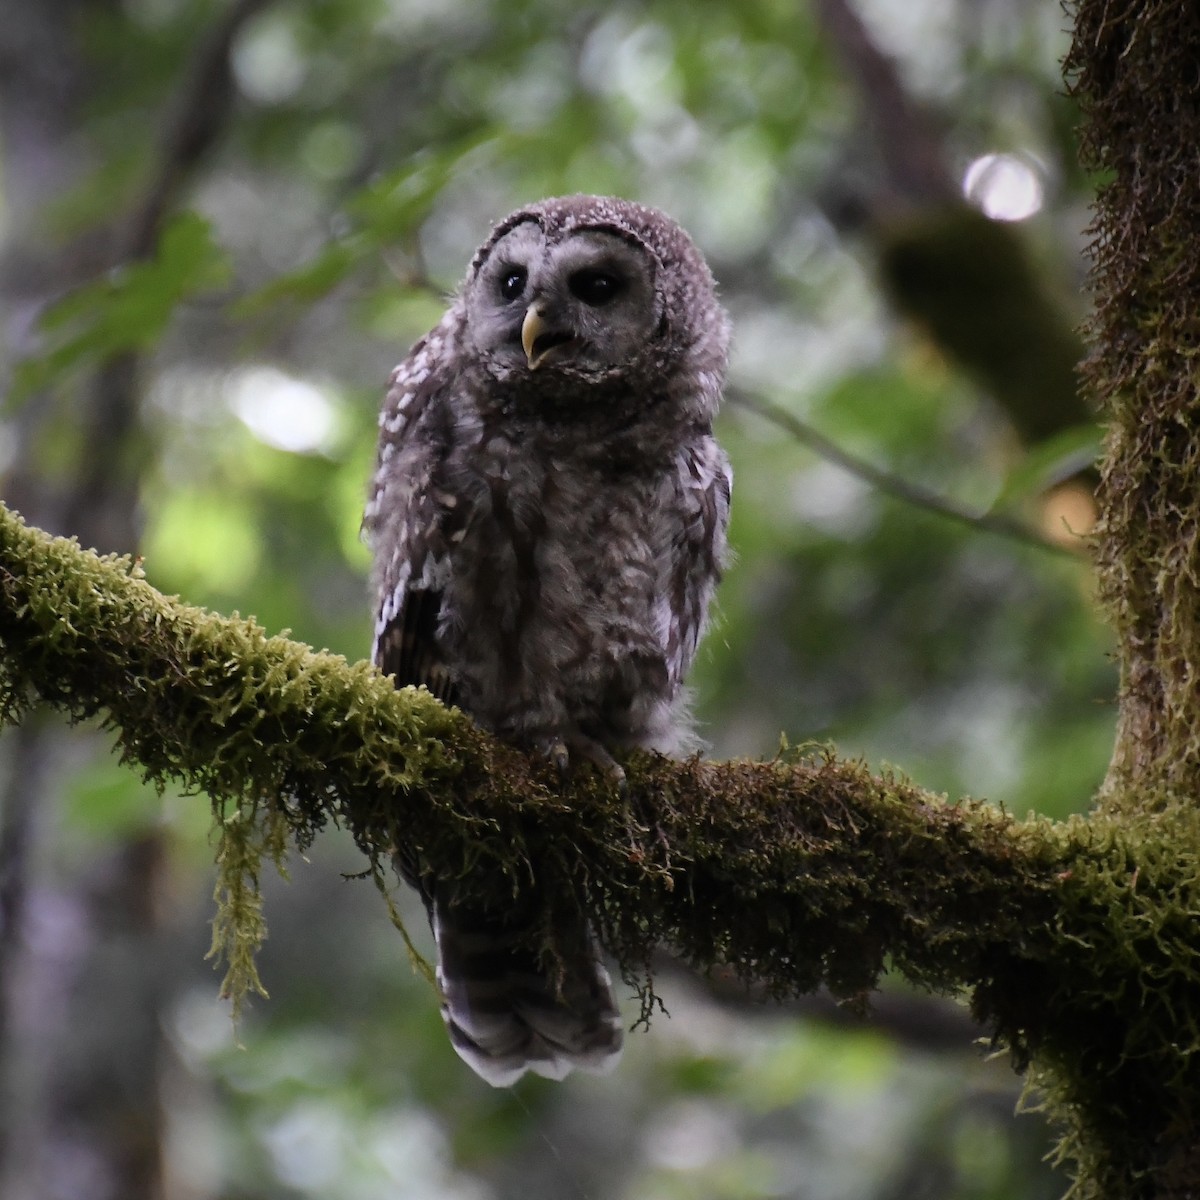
580, 291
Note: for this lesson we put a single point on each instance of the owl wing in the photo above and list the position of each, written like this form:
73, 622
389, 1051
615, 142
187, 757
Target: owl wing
703, 483
409, 522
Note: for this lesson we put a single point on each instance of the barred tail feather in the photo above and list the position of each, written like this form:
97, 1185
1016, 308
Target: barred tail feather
506, 1015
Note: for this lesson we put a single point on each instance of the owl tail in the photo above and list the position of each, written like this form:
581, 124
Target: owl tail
508, 1014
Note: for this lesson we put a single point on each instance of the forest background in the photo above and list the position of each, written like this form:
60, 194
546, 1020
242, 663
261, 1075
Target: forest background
221, 225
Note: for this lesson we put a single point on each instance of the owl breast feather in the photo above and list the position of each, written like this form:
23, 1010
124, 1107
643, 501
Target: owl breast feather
559, 606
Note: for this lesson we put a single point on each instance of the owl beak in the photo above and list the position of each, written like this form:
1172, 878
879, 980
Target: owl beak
539, 338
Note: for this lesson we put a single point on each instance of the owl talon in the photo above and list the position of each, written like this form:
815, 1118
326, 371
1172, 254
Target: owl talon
555, 751
598, 755
560, 756
563, 750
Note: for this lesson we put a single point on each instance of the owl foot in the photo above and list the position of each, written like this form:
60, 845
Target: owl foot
555, 749
563, 748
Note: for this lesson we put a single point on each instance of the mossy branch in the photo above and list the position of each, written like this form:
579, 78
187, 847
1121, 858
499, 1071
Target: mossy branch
796, 872
1074, 940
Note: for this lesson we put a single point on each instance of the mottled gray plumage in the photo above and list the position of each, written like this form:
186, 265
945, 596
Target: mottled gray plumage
548, 520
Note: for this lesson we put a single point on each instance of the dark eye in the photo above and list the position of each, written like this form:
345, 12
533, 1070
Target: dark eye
512, 282
595, 287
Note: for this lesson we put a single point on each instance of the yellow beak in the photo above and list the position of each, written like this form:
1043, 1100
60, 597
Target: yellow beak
531, 329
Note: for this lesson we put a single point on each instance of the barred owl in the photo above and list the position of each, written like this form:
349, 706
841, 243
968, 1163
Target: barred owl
548, 519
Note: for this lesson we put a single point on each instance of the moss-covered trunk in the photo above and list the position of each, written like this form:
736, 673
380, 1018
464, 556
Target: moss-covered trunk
1136, 71
1138, 77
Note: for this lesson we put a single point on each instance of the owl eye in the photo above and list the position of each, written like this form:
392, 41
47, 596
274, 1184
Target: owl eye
512, 282
595, 287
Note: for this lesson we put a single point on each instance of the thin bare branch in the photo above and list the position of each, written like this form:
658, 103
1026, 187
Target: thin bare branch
913, 494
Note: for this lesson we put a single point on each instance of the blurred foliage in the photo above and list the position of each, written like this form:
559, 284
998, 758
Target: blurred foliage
127, 310
373, 144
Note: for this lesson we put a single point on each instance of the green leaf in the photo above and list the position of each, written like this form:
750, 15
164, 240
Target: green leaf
386, 211
128, 309
1051, 462
392, 205
310, 282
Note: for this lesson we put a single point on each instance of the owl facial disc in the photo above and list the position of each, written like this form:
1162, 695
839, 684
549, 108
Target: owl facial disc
573, 304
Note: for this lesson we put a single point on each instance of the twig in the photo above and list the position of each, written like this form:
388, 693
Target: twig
913, 494
926, 1023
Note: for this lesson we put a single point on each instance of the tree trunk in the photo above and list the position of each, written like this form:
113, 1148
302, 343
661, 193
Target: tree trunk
1135, 69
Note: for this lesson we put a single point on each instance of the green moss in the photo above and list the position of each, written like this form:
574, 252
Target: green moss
239, 927
1119, 1062
281, 738
1134, 74
1075, 941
